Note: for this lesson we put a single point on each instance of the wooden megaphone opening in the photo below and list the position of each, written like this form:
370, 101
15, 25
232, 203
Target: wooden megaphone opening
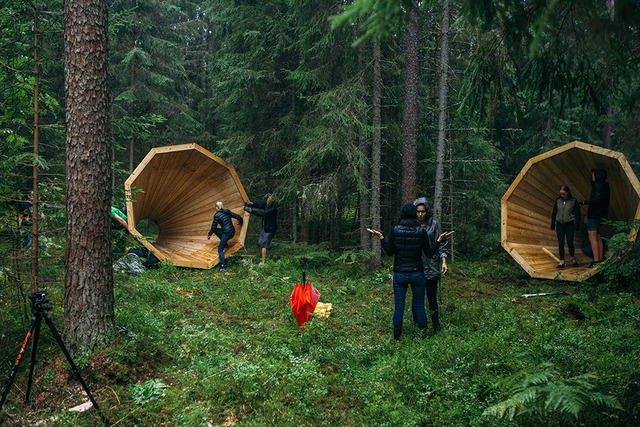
175, 189
528, 203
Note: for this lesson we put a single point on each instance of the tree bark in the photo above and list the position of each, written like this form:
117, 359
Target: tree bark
410, 123
375, 155
88, 302
35, 225
132, 141
364, 148
442, 113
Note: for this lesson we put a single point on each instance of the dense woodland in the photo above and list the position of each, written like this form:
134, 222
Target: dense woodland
344, 110
272, 88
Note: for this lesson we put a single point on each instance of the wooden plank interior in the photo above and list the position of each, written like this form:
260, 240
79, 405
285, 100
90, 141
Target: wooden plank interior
180, 185
527, 205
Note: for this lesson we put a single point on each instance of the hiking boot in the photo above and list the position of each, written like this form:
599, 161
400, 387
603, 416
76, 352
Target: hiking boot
561, 265
223, 267
593, 264
575, 264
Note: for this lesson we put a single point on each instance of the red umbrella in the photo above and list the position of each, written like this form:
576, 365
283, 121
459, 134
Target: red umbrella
303, 301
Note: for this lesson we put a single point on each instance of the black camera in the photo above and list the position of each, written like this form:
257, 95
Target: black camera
38, 301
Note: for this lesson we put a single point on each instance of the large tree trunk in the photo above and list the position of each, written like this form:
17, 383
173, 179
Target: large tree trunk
132, 141
606, 138
410, 124
88, 299
364, 148
442, 113
35, 229
375, 154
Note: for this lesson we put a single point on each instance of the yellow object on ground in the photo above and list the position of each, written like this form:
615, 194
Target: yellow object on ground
552, 255
323, 310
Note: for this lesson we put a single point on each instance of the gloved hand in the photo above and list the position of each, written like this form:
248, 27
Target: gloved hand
248, 203
248, 209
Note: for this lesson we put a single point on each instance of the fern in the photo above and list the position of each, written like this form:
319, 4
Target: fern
544, 393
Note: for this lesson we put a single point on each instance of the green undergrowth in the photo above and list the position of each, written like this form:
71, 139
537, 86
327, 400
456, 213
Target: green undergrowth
199, 348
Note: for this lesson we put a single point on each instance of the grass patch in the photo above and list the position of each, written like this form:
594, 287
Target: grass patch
204, 348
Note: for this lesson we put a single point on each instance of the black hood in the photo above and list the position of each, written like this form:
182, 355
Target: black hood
599, 174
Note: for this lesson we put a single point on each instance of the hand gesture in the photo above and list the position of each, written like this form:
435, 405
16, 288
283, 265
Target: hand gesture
444, 235
376, 232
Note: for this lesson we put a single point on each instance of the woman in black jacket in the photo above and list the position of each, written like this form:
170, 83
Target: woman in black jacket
598, 209
226, 230
408, 241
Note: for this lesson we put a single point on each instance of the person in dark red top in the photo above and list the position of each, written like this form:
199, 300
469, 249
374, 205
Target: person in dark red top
269, 214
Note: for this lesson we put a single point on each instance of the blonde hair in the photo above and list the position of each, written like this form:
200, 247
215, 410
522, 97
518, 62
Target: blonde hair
219, 206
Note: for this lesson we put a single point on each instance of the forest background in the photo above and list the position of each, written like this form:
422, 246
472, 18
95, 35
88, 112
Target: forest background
272, 89
309, 100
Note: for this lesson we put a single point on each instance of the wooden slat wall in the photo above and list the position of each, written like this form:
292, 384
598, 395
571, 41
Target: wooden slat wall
179, 188
528, 203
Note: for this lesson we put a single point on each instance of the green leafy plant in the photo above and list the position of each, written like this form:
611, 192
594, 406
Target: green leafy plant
148, 391
544, 394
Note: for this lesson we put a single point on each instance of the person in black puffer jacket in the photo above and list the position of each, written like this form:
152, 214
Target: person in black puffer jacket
598, 209
407, 242
226, 230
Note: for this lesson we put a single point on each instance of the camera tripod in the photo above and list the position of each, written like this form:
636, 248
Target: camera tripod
39, 310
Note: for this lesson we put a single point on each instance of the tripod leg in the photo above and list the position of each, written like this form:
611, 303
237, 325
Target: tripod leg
75, 369
34, 357
34, 321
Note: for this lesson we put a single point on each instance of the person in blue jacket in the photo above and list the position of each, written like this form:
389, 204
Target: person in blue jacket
269, 214
225, 231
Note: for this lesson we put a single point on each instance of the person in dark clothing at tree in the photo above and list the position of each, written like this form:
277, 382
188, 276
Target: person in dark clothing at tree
226, 230
407, 242
598, 209
565, 219
434, 266
269, 214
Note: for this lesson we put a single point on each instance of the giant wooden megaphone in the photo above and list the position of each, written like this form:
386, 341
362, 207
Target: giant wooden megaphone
528, 203
177, 187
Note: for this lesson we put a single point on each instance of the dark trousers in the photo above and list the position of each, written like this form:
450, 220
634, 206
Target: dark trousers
432, 297
432, 294
224, 238
562, 231
401, 282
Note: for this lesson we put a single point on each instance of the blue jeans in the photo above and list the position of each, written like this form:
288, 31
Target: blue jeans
401, 282
224, 238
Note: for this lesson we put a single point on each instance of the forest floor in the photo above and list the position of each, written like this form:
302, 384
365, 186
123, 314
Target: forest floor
196, 347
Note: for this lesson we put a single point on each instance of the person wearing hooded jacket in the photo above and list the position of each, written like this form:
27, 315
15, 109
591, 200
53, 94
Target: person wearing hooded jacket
269, 214
598, 209
226, 230
436, 265
407, 242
